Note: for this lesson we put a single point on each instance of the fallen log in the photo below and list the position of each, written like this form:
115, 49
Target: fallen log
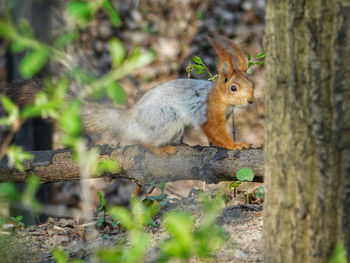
208, 164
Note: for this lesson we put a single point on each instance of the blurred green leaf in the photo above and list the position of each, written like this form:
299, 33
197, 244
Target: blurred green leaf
118, 51
180, 226
70, 120
11, 109
197, 60
83, 76
24, 28
116, 92
60, 255
123, 216
102, 201
245, 174
249, 57
108, 165
80, 11
100, 221
8, 105
110, 255
139, 245
260, 55
16, 156
19, 218
33, 62
339, 254
28, 197
259, 63
113, 13
17, 46
6, 30
66, 39
30, 111
139, 59
9, 192
250, 63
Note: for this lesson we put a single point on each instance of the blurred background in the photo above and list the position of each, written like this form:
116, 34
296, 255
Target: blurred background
175, 30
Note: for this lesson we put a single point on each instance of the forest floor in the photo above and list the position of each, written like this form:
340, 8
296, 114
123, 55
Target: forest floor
243, 223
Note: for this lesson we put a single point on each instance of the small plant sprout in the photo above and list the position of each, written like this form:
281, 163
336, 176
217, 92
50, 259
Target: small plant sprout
103, 207
260, 191
251, 63
200, 67
233, 186
17, 220
246, 175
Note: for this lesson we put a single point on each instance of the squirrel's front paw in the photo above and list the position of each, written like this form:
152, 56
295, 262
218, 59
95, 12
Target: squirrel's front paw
241, 146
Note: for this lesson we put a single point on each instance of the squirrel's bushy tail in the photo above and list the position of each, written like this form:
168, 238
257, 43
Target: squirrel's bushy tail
100, 119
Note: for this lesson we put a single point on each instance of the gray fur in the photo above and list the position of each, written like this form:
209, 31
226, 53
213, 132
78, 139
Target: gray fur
159, 118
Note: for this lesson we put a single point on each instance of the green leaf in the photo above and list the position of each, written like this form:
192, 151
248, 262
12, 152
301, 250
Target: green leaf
28, 197
139, 245
197, 60
80, 11
33, 62
250, 63
17, 46
19, 218
25, 28
9, 192
260, 55
234, 185
66, 39
260, 191
245, 174
102, 201
8, 105
249, 57
259, 63
339, 254
30, 111
139, 59
122, 215
83, 75
100, 221
60, 255
16, 156
116, 93
70, 120
113, 13
200, 68
118, 51
107, 165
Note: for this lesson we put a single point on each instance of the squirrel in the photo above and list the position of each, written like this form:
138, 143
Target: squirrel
159, 119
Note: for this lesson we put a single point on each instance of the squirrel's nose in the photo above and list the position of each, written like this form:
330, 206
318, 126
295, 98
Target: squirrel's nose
250, 101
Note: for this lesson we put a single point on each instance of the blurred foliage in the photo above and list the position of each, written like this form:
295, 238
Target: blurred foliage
186, 238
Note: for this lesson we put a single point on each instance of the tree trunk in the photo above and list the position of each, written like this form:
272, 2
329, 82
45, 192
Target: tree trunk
307, 153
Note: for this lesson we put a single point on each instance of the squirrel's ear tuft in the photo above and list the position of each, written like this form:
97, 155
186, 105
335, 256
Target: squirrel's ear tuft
237, 52
225, 65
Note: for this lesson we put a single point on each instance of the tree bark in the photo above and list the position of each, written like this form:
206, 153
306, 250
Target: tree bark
207, 164
307, 152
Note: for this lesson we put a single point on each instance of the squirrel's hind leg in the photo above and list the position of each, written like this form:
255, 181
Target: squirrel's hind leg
163, 151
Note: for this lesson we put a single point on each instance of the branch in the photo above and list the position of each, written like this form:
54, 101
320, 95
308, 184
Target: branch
208, 164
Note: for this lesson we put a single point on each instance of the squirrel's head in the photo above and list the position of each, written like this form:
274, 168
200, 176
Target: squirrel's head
233, 85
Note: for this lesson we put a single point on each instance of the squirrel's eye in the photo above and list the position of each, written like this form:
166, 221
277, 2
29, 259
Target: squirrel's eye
233, 88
